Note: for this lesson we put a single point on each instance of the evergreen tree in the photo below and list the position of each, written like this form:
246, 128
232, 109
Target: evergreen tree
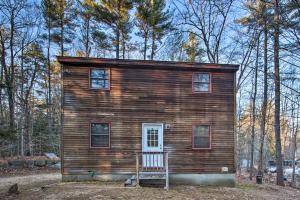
64, 32
101, 42
51, 20
279, 170
85, 11
160, 23
153, 22
143, 16
115, 15
259, 20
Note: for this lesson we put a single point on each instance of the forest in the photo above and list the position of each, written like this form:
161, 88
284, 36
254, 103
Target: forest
262, 36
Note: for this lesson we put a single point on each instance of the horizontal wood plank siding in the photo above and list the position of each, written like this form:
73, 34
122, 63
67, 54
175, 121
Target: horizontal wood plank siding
139, 96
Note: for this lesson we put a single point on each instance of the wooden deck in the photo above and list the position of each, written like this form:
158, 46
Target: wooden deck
150, 166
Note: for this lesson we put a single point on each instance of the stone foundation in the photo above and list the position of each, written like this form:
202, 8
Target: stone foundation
186, 179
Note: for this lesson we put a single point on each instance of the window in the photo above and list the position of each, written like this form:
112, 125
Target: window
152, 137
100, 135
99, 79
201, 137
201, 82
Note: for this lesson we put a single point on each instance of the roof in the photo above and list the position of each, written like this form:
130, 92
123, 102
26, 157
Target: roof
171, 65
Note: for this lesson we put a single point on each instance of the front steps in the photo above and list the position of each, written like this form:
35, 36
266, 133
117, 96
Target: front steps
149, 177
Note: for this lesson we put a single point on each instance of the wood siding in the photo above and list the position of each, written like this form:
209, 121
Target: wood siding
144, 95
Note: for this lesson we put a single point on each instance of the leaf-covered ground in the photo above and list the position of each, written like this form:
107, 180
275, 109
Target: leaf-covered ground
48, 186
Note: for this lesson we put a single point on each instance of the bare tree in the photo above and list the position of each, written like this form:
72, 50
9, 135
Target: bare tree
207, 20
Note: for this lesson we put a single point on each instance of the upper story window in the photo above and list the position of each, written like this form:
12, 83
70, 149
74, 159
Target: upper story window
100, 135
202, 82
201, 137
99, 78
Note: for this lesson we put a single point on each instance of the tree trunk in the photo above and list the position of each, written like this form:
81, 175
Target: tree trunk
11, 85
26, 138
49, 95
253, 111
123, 46
295, 131
153, 45
22, 117
1, 102
87, 42
62, 16
265, 102
238, 135
62, 39
145, 45
277, 95
117, 43
118, 34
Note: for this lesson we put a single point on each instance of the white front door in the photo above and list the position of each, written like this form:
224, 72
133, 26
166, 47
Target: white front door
152, 145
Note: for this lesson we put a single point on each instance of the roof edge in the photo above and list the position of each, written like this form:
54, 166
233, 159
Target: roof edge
122, 62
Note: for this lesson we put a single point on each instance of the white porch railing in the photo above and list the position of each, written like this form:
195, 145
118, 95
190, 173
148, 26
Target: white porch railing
152, 165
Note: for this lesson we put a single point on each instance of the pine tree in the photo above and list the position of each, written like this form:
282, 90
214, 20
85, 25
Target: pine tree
259, 20
101, 42
279, 169
64, 32
51, 20
115, 15
85, 11
143, 17
154, 22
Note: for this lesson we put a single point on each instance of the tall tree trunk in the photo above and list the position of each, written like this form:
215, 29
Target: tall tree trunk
87, 42
49, 95
11, 85
265, 102
22, 117
123, 45
294, 149
62, 28
238, 135
145, 46
153, 45
26, 138
4, 71
277, 95
62, 39
118, 34
117, 43
254, 111
1, 101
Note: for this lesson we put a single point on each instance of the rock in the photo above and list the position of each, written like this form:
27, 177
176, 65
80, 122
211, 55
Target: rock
55, 166
17, 163
51, 156
50, 162
14, 189
4, 165
30, 163
40, 163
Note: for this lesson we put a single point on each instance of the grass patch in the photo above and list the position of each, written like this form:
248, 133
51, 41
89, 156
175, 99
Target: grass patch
245, 186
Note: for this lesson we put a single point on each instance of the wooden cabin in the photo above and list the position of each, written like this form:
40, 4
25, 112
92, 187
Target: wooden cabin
127, 119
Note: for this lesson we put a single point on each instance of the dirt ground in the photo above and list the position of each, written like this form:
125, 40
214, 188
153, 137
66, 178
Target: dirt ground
49, 186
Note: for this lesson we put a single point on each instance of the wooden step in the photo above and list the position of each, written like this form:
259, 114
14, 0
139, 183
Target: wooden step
152, 176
